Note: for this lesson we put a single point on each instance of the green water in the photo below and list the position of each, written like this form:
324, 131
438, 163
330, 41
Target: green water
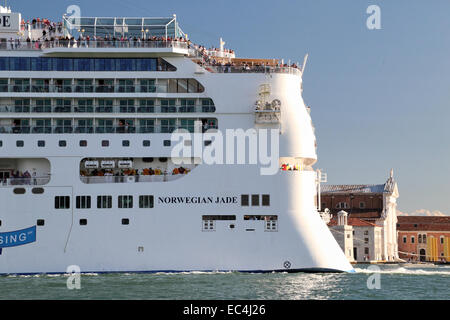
394, 282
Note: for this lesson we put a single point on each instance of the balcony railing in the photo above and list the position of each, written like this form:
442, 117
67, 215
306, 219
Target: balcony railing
134, 109
127, 43
130, 179
251, 69
55, 88
98, 129
32, 181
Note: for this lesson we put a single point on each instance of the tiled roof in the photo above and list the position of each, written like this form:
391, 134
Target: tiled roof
420, 223
353, 188
355, 222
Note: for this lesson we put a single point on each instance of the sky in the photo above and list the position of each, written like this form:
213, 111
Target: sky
379, 98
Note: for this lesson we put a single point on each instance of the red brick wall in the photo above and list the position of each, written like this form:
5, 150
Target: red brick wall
370, 201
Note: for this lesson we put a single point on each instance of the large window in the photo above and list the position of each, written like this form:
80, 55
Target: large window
125, 202
104, 202
145, 201
62, 202
83, 202
83, 64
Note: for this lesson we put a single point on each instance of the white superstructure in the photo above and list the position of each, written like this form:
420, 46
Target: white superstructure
87, 173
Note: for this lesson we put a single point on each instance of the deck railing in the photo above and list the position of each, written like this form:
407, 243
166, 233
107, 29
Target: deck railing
97, 109
31, 181
116, 44
98, 129
130, 179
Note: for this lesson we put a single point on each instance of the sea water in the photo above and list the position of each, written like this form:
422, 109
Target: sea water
368, 282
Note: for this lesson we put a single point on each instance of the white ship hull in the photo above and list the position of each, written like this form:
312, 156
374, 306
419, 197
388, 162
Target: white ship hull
170, 236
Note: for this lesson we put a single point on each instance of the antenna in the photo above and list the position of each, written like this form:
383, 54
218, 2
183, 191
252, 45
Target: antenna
304, 63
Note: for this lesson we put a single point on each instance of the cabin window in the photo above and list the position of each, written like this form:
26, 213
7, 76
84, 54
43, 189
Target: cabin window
62, 143
255, 200
83, 222
20, 143
167, 143
125, 202
41, 143
37, 190
83, 143
83, 202
40, 222
125, 143
146, 143
266, 200
105, 143
145, 202
244, 200
104, 202
62, 202
19, 191
125, 221
209, 221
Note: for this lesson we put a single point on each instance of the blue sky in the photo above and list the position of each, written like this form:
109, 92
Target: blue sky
379, 98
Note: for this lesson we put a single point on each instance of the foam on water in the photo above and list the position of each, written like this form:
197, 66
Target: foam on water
410, 271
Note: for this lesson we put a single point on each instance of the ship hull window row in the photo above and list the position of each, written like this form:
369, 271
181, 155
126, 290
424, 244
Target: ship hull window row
102, 106
118, 125
84, 64
67, 86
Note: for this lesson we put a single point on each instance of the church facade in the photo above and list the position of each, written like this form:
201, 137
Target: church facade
369, 206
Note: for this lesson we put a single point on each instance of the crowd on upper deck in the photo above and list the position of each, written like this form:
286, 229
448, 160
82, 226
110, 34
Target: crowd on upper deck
52, 36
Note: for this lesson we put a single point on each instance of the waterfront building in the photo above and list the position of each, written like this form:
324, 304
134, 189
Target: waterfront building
375, 205
424, 238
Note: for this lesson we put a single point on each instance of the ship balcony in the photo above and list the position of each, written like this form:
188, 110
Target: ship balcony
28, 181
247, 69
58, 46
102, 109
133, 170
24, 171
131, 88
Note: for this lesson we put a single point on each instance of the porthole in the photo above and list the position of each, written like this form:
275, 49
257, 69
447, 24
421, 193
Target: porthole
162, 159
146, 143
147, 159
37, 190
19, 191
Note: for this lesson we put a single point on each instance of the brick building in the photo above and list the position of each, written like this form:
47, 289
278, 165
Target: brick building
424, 238
374, 204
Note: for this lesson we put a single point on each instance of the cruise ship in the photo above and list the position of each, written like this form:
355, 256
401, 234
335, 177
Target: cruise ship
90, 111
